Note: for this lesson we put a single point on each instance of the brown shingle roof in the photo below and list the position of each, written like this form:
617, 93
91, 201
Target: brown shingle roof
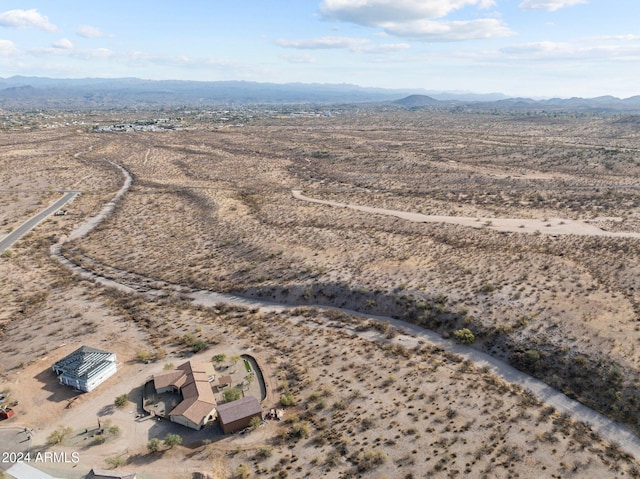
240, 409
172, 378
198, 400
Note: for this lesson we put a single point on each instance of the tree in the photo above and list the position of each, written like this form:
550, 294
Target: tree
59, 435
219, 359
464, 336
171, 440
153, 445
232, 394
121, 400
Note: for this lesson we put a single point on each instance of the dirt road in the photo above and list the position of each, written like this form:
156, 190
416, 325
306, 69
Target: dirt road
548, 226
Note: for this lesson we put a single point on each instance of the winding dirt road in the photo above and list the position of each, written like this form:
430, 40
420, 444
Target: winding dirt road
549, 226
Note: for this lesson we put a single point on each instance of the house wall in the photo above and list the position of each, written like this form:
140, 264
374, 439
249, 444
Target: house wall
74, 383
185, 422
168, 389
239, 424
106, 374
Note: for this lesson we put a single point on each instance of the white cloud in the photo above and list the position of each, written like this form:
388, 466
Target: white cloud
63, 44
373, 12
581, 50
539, 48
7, 48
355, 45
607, 38
550, 5
26, 19
441, 31
87, 31
323, 43
386, 48
299, 58
416, 19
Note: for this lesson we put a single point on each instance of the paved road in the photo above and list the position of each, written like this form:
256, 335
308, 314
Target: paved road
34, 221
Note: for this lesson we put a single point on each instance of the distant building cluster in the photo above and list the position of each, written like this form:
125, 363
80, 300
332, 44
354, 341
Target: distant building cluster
161, 124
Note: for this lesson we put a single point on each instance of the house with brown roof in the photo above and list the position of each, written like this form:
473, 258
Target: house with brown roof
236, 415
192, 380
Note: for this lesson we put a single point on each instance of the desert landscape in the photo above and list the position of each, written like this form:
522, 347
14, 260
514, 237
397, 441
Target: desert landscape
515, 234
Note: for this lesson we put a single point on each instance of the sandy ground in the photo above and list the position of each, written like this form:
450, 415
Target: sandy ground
368, 400
80, 411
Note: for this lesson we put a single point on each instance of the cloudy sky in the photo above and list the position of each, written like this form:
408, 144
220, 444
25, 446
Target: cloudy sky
537, 48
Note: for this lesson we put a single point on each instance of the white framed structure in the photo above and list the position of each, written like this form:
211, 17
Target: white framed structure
85, 368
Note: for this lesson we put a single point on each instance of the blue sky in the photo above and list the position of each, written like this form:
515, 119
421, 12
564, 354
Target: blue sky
536, 48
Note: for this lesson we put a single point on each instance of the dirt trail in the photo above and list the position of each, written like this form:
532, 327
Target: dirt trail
549, 226
410, 334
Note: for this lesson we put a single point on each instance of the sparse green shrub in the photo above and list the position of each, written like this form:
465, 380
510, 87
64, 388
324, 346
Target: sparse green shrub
255, 422
370, 460
532, 356
198, 346
299, 429
153, 445
340, 405
263, 453
487, 288
232, 394
464, 336
171, 440
121, 400
287, 400
144, 356
242, 472
115, 461
59, 435
219, 359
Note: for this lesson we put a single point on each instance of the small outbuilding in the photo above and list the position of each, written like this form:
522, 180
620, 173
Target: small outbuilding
85, 368
105, 474
6, 413
22, 470
236, 415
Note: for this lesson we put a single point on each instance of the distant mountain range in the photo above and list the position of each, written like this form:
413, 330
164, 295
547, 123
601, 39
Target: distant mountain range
602, 104
20, 92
